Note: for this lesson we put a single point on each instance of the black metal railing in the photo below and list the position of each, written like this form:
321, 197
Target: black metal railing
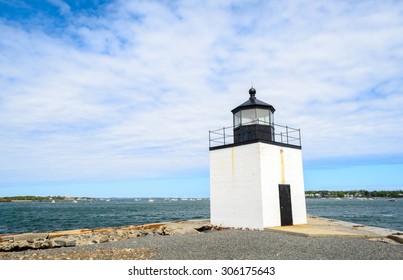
255, 131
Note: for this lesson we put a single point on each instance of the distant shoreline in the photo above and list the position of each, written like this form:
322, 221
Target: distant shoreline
43, 198
308, 194
354, 194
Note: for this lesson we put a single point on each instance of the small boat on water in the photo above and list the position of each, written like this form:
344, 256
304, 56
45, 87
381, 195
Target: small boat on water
74, 201
151, 200
392, 200
53, 201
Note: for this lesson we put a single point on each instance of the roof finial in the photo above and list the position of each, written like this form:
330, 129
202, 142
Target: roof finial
252, 93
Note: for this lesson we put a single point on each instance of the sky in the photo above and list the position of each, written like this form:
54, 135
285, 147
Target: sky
116, 98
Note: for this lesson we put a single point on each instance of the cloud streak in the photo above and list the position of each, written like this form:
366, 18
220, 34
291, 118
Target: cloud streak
130, 90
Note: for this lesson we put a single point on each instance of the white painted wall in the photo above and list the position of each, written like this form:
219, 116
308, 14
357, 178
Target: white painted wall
244, 185
235, 193
272, 176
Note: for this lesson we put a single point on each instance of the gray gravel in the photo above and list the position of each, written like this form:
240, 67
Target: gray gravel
254, 245
248, 245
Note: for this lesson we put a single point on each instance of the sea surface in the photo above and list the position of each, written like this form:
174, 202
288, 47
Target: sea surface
19, 217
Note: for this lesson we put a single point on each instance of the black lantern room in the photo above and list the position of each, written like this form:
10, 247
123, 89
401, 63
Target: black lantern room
253, 120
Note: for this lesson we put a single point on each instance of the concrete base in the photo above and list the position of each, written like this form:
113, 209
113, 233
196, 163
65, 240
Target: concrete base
322, 227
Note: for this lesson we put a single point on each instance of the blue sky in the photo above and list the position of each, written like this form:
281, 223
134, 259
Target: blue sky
116, 98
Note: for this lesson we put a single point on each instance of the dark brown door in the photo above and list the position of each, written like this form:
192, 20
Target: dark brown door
285, 204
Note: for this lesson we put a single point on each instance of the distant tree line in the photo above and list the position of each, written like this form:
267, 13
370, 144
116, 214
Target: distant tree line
32, 197
38, 198
355, 193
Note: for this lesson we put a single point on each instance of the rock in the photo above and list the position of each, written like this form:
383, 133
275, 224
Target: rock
187, 227
31, 236
397, 237
87, 237
134, 233
204, 228
7, 247
6, 238
84, 242
172, 229
23, 245
46, 244
103, 239
70, 243
115, 238
143, 232
59, 243
161, 230
36, 245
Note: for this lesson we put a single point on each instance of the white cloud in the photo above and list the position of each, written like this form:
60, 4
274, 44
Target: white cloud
61, 5
132, 91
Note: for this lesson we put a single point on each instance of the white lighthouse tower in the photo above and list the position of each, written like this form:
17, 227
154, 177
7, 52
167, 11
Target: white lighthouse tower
256, 176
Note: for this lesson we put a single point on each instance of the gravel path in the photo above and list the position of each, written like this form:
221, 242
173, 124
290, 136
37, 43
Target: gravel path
225, 244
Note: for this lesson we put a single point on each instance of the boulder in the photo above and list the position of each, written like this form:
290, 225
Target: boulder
46, 244
36, 245
6, 238
8, 247
186, 227
134, 233
59, 243
103, 239
23, 245
31, 236
86, 237
70, 243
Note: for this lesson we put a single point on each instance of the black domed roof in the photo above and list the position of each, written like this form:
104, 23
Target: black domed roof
253, 102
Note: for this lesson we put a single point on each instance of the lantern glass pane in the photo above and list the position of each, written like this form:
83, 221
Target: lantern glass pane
237, 119
263, 116
248, 116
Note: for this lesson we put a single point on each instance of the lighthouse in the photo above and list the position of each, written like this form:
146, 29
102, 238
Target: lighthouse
256, 174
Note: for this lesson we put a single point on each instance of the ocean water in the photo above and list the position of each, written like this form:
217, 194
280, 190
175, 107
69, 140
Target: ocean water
371, 212
44, 216
17, 217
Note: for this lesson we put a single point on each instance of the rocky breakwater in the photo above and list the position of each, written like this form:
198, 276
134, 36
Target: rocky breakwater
71, 238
